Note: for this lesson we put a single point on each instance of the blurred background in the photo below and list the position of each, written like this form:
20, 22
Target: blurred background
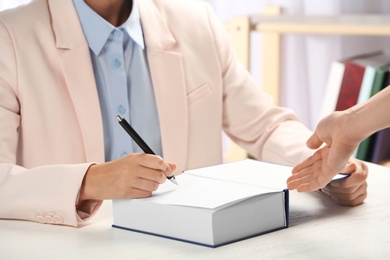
306, 59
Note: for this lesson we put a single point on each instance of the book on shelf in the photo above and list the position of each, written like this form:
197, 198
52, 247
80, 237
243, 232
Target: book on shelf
354, 80
382, 79
350, 86
332, 87
358, 79
381, 146
337, 93
212, 206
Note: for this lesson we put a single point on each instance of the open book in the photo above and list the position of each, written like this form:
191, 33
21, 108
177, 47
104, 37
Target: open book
212, 206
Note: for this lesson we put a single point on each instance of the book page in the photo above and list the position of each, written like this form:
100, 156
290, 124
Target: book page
249, 172
195, 191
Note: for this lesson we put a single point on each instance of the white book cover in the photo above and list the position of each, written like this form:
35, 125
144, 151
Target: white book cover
332, 89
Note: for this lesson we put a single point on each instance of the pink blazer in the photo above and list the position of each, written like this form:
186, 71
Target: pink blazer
50, 121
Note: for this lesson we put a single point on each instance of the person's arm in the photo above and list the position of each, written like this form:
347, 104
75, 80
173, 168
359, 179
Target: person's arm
341, 131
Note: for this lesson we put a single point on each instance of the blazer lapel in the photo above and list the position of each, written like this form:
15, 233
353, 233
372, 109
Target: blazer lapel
169, 85
78, 72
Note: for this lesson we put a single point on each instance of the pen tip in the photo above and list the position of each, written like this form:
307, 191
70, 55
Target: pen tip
119, 118
173, 179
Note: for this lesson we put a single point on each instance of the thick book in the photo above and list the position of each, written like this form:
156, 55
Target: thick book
212, 206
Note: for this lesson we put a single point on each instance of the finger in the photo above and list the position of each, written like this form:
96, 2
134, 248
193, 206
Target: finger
298, 179
307, 180
131, 192
292, 184
355, 166
145, 185
351, 203
314, 141
153, 162
351, 198
350, 168
173, 166
152, 175
172, 169
135, 193
355, 179
305, 184
308, 162
313, 183
337, 192
311, 166
310, 186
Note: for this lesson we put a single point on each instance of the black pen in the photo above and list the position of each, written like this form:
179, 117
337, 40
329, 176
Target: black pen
141, 143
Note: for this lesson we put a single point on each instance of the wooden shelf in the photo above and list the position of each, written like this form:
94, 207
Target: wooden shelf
375, 25
273, 26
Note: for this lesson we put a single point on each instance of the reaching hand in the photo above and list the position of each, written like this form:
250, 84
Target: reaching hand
318, 170
351, 191
341, 131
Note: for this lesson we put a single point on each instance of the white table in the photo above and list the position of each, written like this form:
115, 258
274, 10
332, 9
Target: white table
318, 230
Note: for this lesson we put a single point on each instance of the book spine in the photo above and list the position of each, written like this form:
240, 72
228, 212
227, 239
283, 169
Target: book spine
350, 86
332, 88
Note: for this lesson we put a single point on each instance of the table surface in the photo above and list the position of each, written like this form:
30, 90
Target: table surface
319, 229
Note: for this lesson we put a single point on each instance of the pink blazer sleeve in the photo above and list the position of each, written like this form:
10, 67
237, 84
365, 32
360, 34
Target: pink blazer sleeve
49, 193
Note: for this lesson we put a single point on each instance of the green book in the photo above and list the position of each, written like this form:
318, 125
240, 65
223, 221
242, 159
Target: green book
379, 83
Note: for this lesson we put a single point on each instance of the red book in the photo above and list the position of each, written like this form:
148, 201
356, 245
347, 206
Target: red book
350, 85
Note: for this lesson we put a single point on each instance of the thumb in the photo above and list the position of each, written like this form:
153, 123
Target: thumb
314, 141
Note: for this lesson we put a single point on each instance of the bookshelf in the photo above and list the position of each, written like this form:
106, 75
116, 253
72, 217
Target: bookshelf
272, 25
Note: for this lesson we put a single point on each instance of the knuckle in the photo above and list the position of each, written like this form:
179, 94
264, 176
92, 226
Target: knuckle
159, 159
365, 174
159, 162
162, 177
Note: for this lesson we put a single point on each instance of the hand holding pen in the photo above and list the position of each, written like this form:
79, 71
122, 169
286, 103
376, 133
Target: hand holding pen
141, 143
136, 175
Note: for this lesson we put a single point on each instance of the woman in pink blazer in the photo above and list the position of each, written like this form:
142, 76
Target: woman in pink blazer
52, 167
